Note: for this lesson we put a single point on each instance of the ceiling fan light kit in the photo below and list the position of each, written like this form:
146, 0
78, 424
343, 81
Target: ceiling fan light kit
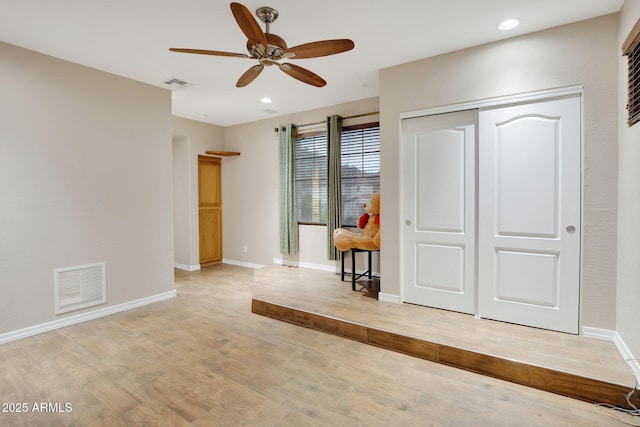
269, 49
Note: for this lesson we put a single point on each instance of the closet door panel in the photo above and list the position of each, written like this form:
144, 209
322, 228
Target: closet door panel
529, 214
438, 208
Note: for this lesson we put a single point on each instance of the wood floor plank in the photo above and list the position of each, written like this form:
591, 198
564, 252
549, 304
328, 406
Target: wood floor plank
570, 353
584, 368
503, 369
408, 345
203, 359
580, 388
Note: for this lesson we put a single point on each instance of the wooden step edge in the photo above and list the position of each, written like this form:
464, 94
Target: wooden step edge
529, 375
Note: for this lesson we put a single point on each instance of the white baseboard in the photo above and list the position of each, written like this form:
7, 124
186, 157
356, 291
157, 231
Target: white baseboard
395, 299
186, 267
242, 263
83, 317
627, 355
311, 266
281, 261
320, 267
632, 362
600, 334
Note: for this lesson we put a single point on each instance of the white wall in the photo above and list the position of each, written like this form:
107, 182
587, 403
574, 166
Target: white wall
250, 189
628, 292
85, 176
190, 139
583, 53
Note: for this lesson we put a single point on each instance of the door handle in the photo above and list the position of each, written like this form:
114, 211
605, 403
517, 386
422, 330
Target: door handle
571, 229
408, 222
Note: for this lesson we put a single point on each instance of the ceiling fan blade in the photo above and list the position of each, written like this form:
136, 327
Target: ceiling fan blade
248, 25
303, 75
250, 75
209, 52
321, 48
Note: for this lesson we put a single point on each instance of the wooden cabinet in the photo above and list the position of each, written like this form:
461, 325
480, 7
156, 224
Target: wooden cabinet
210, 209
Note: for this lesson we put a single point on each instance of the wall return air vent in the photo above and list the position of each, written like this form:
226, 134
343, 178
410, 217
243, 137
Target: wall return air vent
175, 84
80, 287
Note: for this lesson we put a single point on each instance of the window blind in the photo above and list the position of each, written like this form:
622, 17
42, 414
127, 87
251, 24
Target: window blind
631, 48
360, 170
311, 178
633, 104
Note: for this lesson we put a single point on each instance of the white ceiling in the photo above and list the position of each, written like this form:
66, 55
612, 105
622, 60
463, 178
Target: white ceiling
131, 38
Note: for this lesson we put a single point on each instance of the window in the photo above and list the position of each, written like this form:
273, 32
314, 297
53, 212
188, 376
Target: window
631, 49
311, 178
360, 151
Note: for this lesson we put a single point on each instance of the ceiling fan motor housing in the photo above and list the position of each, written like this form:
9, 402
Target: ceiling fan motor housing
274, 51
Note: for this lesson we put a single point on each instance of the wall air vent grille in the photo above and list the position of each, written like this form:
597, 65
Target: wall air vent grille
80, 287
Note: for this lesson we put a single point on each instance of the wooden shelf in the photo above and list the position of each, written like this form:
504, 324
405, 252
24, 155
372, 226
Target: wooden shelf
222, 153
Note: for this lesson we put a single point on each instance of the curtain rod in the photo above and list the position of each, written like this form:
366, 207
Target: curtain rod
348, 117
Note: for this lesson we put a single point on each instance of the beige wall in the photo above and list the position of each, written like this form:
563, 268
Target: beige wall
85, 176
583, 53
182, 222
190, 138
628, 310
251, 188
80, 147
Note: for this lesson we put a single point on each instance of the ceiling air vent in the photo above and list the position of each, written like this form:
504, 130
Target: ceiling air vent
176, 84
80, 287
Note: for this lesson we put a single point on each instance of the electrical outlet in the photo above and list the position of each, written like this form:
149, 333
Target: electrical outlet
246, 249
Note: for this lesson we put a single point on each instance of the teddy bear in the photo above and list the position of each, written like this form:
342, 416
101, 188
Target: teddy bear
368, 237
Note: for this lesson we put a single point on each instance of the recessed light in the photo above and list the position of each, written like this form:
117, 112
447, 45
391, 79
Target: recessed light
508, 24
266, 100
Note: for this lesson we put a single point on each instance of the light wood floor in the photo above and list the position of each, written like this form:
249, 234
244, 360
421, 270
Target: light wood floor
204, 359
324, 292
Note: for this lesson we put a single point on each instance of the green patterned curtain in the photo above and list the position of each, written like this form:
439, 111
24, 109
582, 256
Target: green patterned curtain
288, 222
334, 193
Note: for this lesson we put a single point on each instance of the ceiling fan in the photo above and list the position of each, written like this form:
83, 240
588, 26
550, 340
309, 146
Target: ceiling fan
269, 48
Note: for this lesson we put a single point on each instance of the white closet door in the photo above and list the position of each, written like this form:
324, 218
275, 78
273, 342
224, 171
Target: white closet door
438, 208
529, 214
